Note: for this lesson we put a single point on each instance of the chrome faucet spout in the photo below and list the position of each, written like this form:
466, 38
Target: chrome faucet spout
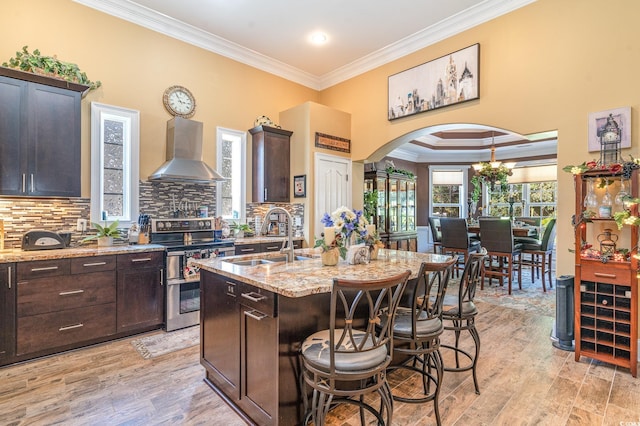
265, 223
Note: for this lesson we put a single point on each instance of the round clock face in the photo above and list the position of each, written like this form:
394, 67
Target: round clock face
610, 137
179, 101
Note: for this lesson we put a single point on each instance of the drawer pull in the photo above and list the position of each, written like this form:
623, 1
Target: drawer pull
604, 302
256, 315
94, 264
254, 297
68, 293
142, 259
272, 247
246, 250
603, 275
71, 327
48, 268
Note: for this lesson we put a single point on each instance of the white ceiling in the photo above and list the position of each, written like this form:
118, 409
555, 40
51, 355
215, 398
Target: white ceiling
273, 35
362, 34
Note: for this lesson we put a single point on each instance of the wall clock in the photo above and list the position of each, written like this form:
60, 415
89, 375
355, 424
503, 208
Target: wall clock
179, 101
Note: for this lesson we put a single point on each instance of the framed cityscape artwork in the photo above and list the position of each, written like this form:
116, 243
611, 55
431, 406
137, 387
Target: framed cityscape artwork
448, 80
597, 121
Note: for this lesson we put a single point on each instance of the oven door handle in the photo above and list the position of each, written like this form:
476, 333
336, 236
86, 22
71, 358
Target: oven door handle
175, 253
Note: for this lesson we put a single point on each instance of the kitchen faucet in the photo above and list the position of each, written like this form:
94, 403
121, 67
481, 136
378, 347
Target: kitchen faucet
265, 224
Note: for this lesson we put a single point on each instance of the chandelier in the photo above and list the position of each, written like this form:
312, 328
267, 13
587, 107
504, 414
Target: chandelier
494, 172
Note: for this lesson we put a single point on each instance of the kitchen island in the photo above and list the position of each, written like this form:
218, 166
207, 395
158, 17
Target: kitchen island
254, 318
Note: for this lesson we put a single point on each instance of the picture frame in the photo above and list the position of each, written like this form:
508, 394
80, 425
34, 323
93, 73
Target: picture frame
300, 186
597, 120
448, 80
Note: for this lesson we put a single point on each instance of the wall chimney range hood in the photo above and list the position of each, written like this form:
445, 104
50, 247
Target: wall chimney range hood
184, 155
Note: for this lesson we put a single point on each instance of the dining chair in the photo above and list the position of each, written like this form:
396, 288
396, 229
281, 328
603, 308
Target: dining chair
540, 254
417, 329
530, 221
456, 240
459, 314
434, 224
350, 358
503, 252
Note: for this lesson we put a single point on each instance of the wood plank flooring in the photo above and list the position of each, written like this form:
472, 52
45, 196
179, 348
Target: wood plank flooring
523, 381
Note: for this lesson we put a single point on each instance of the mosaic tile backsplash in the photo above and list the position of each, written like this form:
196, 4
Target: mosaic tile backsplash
156, 199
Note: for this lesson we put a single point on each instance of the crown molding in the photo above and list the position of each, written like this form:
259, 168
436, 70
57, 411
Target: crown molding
145, 17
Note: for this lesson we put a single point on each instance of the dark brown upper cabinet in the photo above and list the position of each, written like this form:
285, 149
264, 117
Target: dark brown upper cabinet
39, 135
271, 169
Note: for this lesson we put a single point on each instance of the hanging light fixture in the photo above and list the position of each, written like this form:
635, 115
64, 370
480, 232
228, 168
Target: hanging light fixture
494, 171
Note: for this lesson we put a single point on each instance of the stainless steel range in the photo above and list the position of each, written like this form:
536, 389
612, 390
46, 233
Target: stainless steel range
186, 239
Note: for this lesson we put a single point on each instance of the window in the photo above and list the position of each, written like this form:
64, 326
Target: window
448, 191
115, 141
534, 199
231, 163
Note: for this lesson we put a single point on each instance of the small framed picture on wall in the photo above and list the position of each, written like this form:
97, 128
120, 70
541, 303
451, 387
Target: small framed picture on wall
300, 186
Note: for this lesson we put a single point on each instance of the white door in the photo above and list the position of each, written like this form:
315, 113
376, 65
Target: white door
333, 188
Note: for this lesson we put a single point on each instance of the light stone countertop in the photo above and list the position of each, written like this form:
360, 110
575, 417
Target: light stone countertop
304, 277
19, 255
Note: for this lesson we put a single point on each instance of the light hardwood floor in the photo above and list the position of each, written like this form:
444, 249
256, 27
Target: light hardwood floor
523, 380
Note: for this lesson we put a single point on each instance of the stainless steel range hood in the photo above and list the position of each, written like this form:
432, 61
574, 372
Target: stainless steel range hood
184, 155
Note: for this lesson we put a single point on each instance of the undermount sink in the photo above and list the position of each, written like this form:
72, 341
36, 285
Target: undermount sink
263, 261
249, 262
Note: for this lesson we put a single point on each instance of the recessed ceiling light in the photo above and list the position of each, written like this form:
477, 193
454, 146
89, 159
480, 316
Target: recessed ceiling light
319, 38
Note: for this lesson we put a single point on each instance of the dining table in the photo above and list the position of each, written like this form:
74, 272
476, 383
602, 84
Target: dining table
518, 231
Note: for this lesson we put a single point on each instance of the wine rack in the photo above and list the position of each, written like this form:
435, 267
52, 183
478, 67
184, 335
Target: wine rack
606, 290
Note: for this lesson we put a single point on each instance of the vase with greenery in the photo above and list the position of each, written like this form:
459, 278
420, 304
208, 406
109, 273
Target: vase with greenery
104, 234
240, 229
36, 63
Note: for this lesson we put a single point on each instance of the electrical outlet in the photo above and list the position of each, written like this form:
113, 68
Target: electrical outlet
81, 225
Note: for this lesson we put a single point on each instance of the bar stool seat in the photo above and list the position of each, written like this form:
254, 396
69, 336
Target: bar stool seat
349, 360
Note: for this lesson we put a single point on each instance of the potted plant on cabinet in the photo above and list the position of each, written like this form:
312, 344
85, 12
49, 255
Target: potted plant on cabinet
240, 229
105, 234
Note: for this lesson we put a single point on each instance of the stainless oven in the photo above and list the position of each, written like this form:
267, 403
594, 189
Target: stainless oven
186, 240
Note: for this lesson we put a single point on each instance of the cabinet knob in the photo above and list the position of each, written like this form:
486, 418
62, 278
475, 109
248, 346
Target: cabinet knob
604, 302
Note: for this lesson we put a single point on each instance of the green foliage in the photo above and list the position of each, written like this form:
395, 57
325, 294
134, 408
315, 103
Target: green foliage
407, 173
370, 203
334, 245
51, 66
104, 231
477, 188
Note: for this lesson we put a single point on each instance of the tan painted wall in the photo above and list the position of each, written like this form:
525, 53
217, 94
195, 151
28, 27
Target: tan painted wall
136, 65
307, 119
542, 67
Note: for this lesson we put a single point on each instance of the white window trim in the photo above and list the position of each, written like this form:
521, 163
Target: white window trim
463, 193
131, 119
220, 132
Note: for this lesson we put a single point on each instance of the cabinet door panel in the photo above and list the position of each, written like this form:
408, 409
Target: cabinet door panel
140, 298
43, 295
54, 163
7, 313
259, 361
13, 135
220, 328
57, 329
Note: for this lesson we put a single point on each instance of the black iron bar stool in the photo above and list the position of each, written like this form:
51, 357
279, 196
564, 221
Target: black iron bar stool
459, 314
417, 330
348, 360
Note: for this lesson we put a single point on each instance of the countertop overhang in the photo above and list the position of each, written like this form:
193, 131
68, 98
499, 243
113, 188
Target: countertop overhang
305, 277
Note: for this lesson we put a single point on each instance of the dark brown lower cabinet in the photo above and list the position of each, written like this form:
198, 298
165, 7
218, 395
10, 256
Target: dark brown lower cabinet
62, 303
250, 342
220, 323
140, 291
7, 312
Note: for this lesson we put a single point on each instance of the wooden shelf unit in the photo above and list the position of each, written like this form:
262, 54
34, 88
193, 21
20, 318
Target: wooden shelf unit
606, 293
